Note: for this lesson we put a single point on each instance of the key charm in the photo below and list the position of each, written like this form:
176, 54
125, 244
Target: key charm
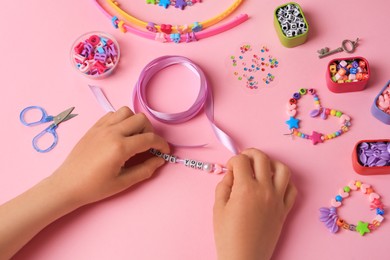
347, 46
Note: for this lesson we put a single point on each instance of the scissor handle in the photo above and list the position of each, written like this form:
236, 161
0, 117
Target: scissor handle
44, 118
50, 130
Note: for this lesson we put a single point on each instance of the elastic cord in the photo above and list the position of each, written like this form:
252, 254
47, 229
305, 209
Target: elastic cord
204, 24
189, 37
203, 100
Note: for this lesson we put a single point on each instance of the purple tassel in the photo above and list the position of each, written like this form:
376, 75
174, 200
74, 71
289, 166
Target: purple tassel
329, 217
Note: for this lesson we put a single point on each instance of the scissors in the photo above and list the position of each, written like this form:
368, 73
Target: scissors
51, 129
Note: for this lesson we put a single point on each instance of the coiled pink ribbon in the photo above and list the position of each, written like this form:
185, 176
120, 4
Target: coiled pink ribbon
204, 99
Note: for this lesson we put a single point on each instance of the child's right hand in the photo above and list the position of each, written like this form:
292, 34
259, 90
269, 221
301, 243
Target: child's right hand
251, 204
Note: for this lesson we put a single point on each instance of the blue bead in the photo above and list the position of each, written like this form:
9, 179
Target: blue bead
339, 198
380, 211
296, 95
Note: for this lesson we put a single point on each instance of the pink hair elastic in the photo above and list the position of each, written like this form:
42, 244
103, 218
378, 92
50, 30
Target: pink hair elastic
204, 100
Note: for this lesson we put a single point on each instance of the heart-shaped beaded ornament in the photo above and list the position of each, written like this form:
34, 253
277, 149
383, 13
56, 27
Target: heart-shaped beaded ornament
315, 137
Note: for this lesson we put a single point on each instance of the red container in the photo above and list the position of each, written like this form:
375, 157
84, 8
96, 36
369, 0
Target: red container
346, 86
365, 170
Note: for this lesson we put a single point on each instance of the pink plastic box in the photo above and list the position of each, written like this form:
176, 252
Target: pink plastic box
347, 74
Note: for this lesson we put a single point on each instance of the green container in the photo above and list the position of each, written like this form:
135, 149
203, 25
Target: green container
290, 24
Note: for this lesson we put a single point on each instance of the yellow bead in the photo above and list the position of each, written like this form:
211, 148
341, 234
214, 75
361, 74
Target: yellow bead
316, 102
333, 112
358, 184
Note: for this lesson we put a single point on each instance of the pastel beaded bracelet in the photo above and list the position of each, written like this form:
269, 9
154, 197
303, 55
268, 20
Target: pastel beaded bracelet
181, 4
169, 34
333, 222
315, 137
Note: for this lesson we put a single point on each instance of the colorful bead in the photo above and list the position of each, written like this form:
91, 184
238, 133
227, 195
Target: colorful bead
333, 222
324, 112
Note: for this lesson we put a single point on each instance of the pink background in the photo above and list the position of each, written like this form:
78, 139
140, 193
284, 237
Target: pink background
170, 216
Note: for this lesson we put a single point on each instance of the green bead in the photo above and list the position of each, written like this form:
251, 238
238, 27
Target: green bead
347, 189
339, 113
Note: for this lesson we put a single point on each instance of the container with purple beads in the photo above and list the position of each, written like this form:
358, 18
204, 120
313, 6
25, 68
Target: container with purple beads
371, 157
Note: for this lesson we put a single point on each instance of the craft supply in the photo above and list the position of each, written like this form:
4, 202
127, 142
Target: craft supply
371, 157
50, 130
347, 74
213, 168
333, 222
347, 45
380, 108
95, 54
204, 100
252, 65
290, 24
315, 137
181, 4
169, 33
374, 154
383, 101
351, 70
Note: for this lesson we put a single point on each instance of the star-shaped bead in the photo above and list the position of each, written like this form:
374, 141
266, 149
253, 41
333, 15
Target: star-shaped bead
292, 123
362, 228
316, 137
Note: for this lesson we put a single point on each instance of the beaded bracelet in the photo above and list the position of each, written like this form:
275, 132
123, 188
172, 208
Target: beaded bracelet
183, 36
293, 122
333, 222
176, 3
213, 168
168, 28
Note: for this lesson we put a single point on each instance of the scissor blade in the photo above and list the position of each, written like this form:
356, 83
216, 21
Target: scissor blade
63, 116
69, 117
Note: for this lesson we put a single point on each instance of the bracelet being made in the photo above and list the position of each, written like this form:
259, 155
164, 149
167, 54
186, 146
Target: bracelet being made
293, 122
333, 222
172, 37
213, 168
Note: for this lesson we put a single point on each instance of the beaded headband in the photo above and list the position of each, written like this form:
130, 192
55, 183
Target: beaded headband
293, 122
333, 222
169, 33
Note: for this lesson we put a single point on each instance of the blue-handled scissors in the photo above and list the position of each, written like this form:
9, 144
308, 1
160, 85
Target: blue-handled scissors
51, 129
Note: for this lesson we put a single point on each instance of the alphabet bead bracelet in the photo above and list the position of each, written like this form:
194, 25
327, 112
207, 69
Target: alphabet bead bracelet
205, 166
333, 222
293, 122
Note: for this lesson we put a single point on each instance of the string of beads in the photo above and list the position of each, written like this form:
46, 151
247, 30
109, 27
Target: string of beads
213, 168
333, 222
293, 122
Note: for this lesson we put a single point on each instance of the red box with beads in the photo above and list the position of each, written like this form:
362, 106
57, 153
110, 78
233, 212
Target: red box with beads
347, 74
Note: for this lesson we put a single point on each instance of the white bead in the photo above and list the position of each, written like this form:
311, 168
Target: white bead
208, 167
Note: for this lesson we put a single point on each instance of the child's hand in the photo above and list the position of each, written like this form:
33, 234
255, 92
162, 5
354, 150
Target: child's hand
95, 169
251, 204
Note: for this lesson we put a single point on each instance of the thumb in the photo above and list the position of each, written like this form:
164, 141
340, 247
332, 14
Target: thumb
223, 190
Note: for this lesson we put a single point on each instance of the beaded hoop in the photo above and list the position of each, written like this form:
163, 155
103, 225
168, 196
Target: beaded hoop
167, 28
293, 122
333, 222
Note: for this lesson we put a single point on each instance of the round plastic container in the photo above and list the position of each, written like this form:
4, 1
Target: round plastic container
95, 54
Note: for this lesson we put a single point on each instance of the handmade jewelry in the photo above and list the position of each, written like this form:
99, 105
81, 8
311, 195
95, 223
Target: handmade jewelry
168, 28
213, 168
169, 33
204, 100
333, 222
181, 4
293, 122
